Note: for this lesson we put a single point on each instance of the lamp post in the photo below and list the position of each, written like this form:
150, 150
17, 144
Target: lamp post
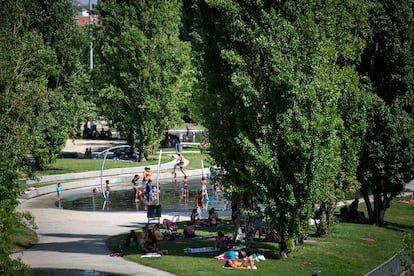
91, 22
103, 164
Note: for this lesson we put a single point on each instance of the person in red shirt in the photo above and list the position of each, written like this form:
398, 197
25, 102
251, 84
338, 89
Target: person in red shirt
146, 176
199, 202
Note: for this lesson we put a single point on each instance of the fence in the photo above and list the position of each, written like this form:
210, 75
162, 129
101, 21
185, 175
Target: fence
393, 266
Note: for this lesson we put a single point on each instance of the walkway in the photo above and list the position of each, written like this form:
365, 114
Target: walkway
76, 240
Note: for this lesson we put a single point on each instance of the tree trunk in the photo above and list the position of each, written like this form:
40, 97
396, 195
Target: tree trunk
369, 207
249, 232
131, 140
283, 246
321, 227
236, 218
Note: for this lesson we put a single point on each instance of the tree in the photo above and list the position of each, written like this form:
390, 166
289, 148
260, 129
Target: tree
25, 64
388, 64
273, 77
141, 68
68, 81
36, 78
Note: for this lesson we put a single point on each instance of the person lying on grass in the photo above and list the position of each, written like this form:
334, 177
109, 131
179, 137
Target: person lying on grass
233, 259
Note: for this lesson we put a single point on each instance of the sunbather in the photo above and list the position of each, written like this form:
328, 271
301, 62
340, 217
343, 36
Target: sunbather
237, 259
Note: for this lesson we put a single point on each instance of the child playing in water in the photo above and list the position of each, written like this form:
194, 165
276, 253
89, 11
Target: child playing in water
59, 193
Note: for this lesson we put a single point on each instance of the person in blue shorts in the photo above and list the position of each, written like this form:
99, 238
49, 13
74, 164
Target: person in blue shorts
107, 191
59, 194
148, 192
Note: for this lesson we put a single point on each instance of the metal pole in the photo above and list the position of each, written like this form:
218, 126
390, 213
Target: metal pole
91, 21
202, 167
158, 177
102, 168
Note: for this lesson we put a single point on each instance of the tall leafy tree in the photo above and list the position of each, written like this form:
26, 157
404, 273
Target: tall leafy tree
68, 82
141, 68
273, 77
388, 63
38, 96
25, 64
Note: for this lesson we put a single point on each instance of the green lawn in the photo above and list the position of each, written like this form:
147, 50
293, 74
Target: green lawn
23, 238
70, 165
347, 256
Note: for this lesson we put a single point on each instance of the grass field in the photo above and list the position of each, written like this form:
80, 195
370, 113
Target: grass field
344, 254
70, 165
347, 256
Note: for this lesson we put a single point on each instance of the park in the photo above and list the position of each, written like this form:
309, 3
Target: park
294, 120
93, 236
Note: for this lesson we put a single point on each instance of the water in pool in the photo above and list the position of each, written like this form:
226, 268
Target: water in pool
121, 198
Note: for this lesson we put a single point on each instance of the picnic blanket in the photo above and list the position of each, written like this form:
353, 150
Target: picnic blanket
199, 249
151, 255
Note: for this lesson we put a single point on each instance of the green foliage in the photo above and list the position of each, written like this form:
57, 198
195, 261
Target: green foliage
388, 64
34, 69
143, 68
408, 240
278, 83
67, 78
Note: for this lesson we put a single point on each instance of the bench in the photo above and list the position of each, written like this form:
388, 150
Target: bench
154, 213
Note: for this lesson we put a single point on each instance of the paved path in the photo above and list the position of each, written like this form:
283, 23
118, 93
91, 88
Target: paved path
76, 240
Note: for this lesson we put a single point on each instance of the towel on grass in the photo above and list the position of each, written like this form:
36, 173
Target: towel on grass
199, 249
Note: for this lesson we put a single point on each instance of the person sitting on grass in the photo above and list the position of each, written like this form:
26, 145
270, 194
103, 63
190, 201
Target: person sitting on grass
213, 218
150, 245
195, 217
131, 240
272, 236
221, 241
189, 231
234, 259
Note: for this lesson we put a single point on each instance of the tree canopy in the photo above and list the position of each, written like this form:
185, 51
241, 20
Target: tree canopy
388, 64
279, 82
143, 67
37, 97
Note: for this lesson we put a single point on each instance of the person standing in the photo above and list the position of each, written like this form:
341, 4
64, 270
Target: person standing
146, 176
59, 194
203, 184
134, 182
185, 187
107, 191
148, 192
180, 164
199, 203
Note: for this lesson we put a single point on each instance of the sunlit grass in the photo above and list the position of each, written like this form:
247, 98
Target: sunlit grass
340, 253
71, 165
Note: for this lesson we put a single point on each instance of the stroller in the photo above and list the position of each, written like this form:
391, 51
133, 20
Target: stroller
171, 227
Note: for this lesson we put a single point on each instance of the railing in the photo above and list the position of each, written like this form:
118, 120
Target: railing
393, 266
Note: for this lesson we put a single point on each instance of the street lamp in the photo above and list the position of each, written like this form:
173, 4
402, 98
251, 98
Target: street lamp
103, 164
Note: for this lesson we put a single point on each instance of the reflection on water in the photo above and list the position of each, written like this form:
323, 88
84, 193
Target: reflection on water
171, 199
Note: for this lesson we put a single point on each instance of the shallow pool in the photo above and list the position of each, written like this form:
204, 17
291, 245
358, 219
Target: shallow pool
121, 198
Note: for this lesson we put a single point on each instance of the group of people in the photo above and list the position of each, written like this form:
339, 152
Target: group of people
145, 192
241, 259
146, 242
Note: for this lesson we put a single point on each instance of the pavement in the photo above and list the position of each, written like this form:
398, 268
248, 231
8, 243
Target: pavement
76, 239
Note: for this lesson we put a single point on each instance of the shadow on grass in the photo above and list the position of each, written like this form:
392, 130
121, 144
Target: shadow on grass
207, 234
398, 227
